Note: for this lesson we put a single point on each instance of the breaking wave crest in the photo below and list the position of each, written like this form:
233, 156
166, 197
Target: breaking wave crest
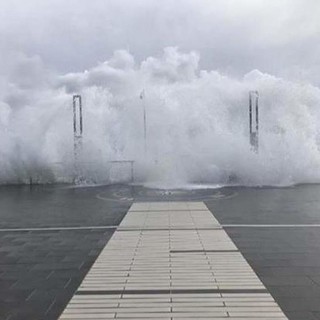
196, 124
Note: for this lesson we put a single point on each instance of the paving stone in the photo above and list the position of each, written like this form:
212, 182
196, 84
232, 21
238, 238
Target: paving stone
271, 252
159, 255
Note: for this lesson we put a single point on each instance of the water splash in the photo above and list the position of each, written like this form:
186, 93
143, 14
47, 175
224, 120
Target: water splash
197, 124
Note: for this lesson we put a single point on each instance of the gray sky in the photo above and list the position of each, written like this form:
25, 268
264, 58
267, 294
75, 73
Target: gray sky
280, 37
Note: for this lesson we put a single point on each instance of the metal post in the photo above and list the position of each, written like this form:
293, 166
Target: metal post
77, 136
250, 114
254, 129
257, 113
132, 173
77, 125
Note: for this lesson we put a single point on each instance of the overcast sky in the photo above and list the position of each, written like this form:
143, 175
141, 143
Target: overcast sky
280, 37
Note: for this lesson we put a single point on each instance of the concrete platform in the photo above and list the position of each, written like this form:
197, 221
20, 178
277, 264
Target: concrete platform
171, 260
51, 235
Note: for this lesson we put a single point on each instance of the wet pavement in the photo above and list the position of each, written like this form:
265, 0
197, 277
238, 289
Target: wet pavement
41, 269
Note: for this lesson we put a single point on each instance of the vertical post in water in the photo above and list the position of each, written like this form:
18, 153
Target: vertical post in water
132, 172
142, 97
77, 126
254, 120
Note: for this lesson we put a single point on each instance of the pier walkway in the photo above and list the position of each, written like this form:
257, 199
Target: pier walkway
171, 260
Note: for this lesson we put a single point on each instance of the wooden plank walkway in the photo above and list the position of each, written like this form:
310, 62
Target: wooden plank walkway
171, 260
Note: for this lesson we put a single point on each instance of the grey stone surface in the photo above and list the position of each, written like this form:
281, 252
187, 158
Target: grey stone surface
39, 271
287, 259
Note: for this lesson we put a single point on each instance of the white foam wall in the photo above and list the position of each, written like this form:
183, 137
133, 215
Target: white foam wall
197, 123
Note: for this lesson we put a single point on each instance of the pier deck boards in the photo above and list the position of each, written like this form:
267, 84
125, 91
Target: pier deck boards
171, 260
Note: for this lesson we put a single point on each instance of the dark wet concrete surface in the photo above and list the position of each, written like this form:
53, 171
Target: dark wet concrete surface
286, 259
40, 270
